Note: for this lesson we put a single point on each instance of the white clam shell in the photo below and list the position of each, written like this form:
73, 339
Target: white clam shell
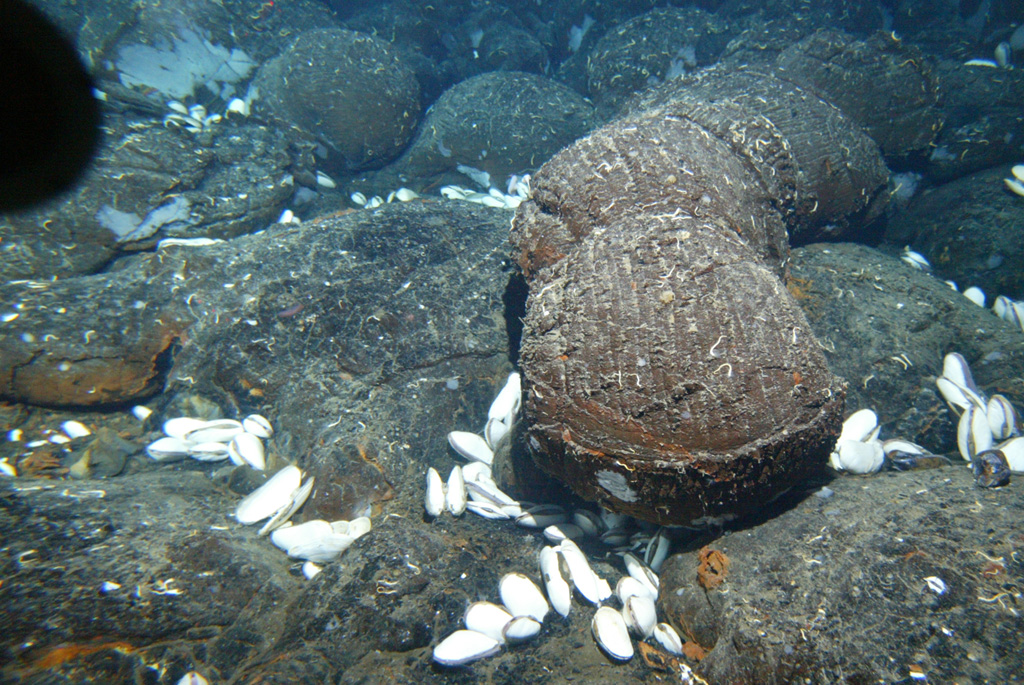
456, 495
857, 457
323, 549
858, 425
558, 590
506, 403
75, 429
542, 516
521, 628
465, 646
563, 531
405, 194
915, 259
434, 500
310, 570
181, 426
522, 597
975, 295
900, 445
1016, 186
1018, 172
628, 586
477, 471
141, 412
640, 615
957, 396
218, 430
258, 426
589, 522
237, 106
579, 572
668, 638
358, 527
973, 434
471, 446
270, 497
488, 510
1002, 306
1013, 450
298, 498
1002, 417
956, 369
611, 634
486, 491
208, 451
168, 448
657, 550
487, 618
637, 569
495, 433
249, 449
289, 536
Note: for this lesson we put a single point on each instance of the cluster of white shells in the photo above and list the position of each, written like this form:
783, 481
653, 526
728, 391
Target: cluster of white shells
985, 423
400, 195
859, 450
1009, 310
214, 440
1003, 58
69, 430
524, 606
315, 541
275, 501
195, 118
518, 192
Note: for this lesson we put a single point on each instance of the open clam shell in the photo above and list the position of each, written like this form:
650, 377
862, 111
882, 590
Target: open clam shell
558, 590
271, 497
611, 634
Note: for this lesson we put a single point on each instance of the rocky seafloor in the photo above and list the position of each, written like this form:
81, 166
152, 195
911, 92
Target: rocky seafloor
827, 585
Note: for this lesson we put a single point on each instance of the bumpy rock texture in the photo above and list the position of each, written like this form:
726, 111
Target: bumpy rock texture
501, 122
349, 89
670, 375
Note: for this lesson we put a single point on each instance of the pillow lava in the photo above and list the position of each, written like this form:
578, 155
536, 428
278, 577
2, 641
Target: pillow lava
348, 89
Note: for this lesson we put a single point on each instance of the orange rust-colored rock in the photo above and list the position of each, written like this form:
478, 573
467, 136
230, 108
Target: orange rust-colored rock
713, 568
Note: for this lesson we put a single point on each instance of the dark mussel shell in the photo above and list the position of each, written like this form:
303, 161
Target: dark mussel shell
991, 470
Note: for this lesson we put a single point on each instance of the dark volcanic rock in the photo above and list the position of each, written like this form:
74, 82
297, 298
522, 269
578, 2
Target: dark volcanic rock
652, 47
669, 374
965, 228
885, 327
348, 89
887, 87
501, 122
836, 589
181, 569
352, 334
